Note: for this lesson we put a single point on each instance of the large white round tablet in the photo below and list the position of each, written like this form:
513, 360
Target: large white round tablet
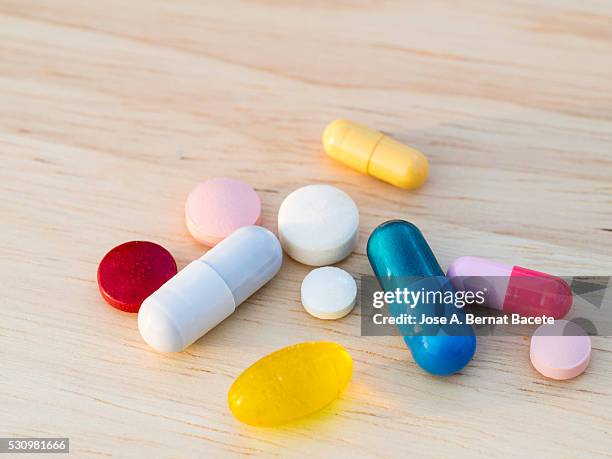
329, 293
318, 225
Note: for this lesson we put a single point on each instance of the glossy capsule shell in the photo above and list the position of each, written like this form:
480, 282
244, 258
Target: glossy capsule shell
290, 383
371, 152
401, 258
513, 289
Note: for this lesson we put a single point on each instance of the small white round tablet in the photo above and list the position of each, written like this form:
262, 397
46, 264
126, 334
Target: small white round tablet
329, 293
318, 225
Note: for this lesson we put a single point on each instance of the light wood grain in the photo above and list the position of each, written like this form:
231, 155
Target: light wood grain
111, 111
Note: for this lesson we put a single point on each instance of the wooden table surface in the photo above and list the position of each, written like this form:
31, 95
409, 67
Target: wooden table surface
111, 111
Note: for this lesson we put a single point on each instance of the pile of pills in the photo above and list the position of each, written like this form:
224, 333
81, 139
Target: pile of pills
318, 226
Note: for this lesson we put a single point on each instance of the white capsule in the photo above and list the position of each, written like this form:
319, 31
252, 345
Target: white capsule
209, 289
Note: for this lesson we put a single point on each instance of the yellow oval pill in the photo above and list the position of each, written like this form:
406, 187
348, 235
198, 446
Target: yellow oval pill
371, 152
290, 383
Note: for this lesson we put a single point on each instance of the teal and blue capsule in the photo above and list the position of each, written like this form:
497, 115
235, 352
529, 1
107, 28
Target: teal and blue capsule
401, 258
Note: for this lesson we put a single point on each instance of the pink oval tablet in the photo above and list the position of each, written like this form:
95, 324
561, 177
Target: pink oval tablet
561, 350
219, 206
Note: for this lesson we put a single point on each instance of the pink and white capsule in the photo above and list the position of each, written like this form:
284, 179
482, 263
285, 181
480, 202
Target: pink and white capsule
512, 289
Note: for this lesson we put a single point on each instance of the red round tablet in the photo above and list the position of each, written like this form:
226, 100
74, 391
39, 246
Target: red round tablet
130, 272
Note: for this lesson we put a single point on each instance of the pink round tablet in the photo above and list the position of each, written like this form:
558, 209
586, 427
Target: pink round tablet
561, 350
219, 206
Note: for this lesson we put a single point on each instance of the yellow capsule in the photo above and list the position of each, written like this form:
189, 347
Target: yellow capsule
290, 383
372, 152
